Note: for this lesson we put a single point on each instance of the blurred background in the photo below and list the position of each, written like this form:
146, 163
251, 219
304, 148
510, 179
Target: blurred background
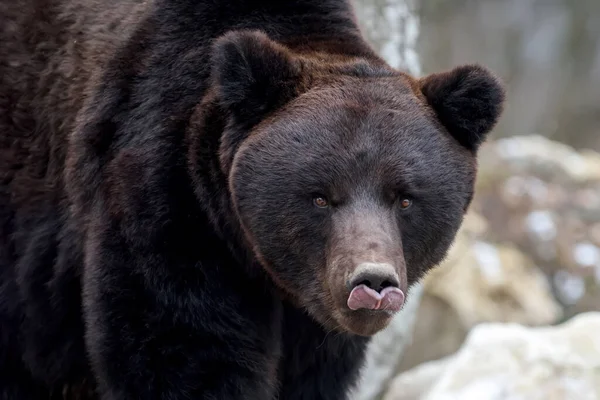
512, 312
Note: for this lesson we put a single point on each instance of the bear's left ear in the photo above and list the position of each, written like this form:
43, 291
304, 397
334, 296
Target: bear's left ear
468, 100
253, 75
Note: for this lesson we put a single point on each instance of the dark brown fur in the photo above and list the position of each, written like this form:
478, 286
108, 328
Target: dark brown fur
158, 161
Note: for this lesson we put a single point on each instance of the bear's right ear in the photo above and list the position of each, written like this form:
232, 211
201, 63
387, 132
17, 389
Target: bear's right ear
253, 75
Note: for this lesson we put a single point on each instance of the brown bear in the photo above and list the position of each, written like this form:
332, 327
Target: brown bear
216, 199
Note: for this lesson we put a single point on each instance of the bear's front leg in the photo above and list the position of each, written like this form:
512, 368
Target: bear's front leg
164, 324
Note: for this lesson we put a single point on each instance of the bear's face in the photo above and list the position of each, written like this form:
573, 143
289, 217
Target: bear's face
349, 188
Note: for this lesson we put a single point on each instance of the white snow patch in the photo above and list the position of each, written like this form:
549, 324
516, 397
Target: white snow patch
586, 254
488, 259
571, 288
542, 225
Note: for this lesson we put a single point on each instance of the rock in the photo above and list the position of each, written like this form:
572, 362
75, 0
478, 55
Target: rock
494, 283
544, 198
413, 384
513, 362
524, 153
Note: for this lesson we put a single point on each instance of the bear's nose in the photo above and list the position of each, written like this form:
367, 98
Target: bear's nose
374, 286
376, 276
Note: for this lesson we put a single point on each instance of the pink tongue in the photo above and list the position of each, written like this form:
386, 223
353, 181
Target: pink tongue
363, 297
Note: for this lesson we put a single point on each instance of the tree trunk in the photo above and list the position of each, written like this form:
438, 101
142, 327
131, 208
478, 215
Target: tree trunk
392, 26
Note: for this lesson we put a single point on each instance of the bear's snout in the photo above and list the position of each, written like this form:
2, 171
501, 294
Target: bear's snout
375, 286
376, 276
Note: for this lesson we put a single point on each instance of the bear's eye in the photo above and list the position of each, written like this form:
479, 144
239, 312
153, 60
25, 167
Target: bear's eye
320, 201
405, 203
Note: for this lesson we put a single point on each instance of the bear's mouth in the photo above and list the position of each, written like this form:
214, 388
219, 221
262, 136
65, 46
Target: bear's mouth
362, 297
369, 314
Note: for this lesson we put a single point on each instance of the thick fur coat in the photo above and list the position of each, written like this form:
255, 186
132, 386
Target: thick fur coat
159, 161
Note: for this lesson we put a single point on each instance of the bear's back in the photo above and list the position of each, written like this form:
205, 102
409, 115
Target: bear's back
50, 51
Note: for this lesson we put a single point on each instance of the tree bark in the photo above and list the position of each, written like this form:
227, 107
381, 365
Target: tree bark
392, 26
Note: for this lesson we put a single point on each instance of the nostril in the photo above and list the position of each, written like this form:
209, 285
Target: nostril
376, 282
383, 284
378, 287
366, 282
386, 283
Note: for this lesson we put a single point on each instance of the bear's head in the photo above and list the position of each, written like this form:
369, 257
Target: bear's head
348, 178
